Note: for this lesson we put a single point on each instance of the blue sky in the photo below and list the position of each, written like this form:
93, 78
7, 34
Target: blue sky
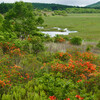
65, 2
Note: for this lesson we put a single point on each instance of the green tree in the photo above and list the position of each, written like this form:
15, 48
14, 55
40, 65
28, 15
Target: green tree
40, 20
1, 18
20, 19
1, 21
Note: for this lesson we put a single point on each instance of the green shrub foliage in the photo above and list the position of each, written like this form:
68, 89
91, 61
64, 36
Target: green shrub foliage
98, 45
76, 41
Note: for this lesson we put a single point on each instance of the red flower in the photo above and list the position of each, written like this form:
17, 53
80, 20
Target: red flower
78, 96
52, 97
79, 81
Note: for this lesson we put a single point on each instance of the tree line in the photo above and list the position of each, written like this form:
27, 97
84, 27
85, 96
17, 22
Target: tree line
4, 7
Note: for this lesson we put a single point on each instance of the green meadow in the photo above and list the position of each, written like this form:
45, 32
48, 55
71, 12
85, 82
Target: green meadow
87, 25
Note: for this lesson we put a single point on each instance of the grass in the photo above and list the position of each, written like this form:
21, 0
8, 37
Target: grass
87, 25
63, 47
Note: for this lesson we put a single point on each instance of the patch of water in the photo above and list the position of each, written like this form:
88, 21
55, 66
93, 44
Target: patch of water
39, 27
54, 33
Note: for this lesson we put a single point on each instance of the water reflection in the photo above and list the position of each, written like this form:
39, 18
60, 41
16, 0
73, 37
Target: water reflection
53, 33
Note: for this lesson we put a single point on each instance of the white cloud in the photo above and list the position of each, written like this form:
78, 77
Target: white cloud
65, 2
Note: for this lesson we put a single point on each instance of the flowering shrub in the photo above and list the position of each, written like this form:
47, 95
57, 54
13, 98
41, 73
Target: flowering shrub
75, 69
63, 56
78, 96
59, 76
11, 73
52, 97
80, 67
9, 48
59, 39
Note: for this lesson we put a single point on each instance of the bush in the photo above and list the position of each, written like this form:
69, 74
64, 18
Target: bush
47, 38
30, 64
45, 57
65, 37
6, 36
37, 44
76, 41
22, 44
59, 39
98, 45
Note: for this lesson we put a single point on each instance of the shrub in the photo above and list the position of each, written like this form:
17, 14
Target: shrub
37, 44
65, 37
45, 57
22, 44
98, 45
53, 14
59, 39
47, 38
76, 41
6, 36
89, 47
30, 64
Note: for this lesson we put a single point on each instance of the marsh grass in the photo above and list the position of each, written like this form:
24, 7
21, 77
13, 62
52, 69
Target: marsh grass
87, 25
66, 46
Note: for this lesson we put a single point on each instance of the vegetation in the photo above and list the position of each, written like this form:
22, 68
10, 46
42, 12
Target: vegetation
76, 41
98, 45
28, 72
45, 6
82, 10
5, 7
95, 5
24, 22
87, 25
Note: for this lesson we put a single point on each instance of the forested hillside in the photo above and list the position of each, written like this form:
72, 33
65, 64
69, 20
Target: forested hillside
4, 7
95, 5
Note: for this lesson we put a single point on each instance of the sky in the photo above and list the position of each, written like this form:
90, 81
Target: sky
65, 2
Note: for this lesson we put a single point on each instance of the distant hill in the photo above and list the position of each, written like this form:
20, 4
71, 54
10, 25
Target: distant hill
51, 6
4, 7
95, 5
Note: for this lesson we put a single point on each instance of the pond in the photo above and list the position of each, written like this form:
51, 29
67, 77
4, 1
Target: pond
59, 31
53, 33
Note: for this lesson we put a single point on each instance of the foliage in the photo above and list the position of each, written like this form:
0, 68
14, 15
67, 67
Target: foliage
70, 75
27, 72
59, 38
47, 38
1, 18
98, 45
82, 10
5, 7
59, 12
40, 21
37, 44
76, 41
45, 57
20, 19
7, 36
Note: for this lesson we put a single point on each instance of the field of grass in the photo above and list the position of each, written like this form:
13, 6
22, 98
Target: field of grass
87, 25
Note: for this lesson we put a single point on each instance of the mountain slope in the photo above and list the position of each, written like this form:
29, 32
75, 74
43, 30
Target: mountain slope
95, 5
4, 7
50, 6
